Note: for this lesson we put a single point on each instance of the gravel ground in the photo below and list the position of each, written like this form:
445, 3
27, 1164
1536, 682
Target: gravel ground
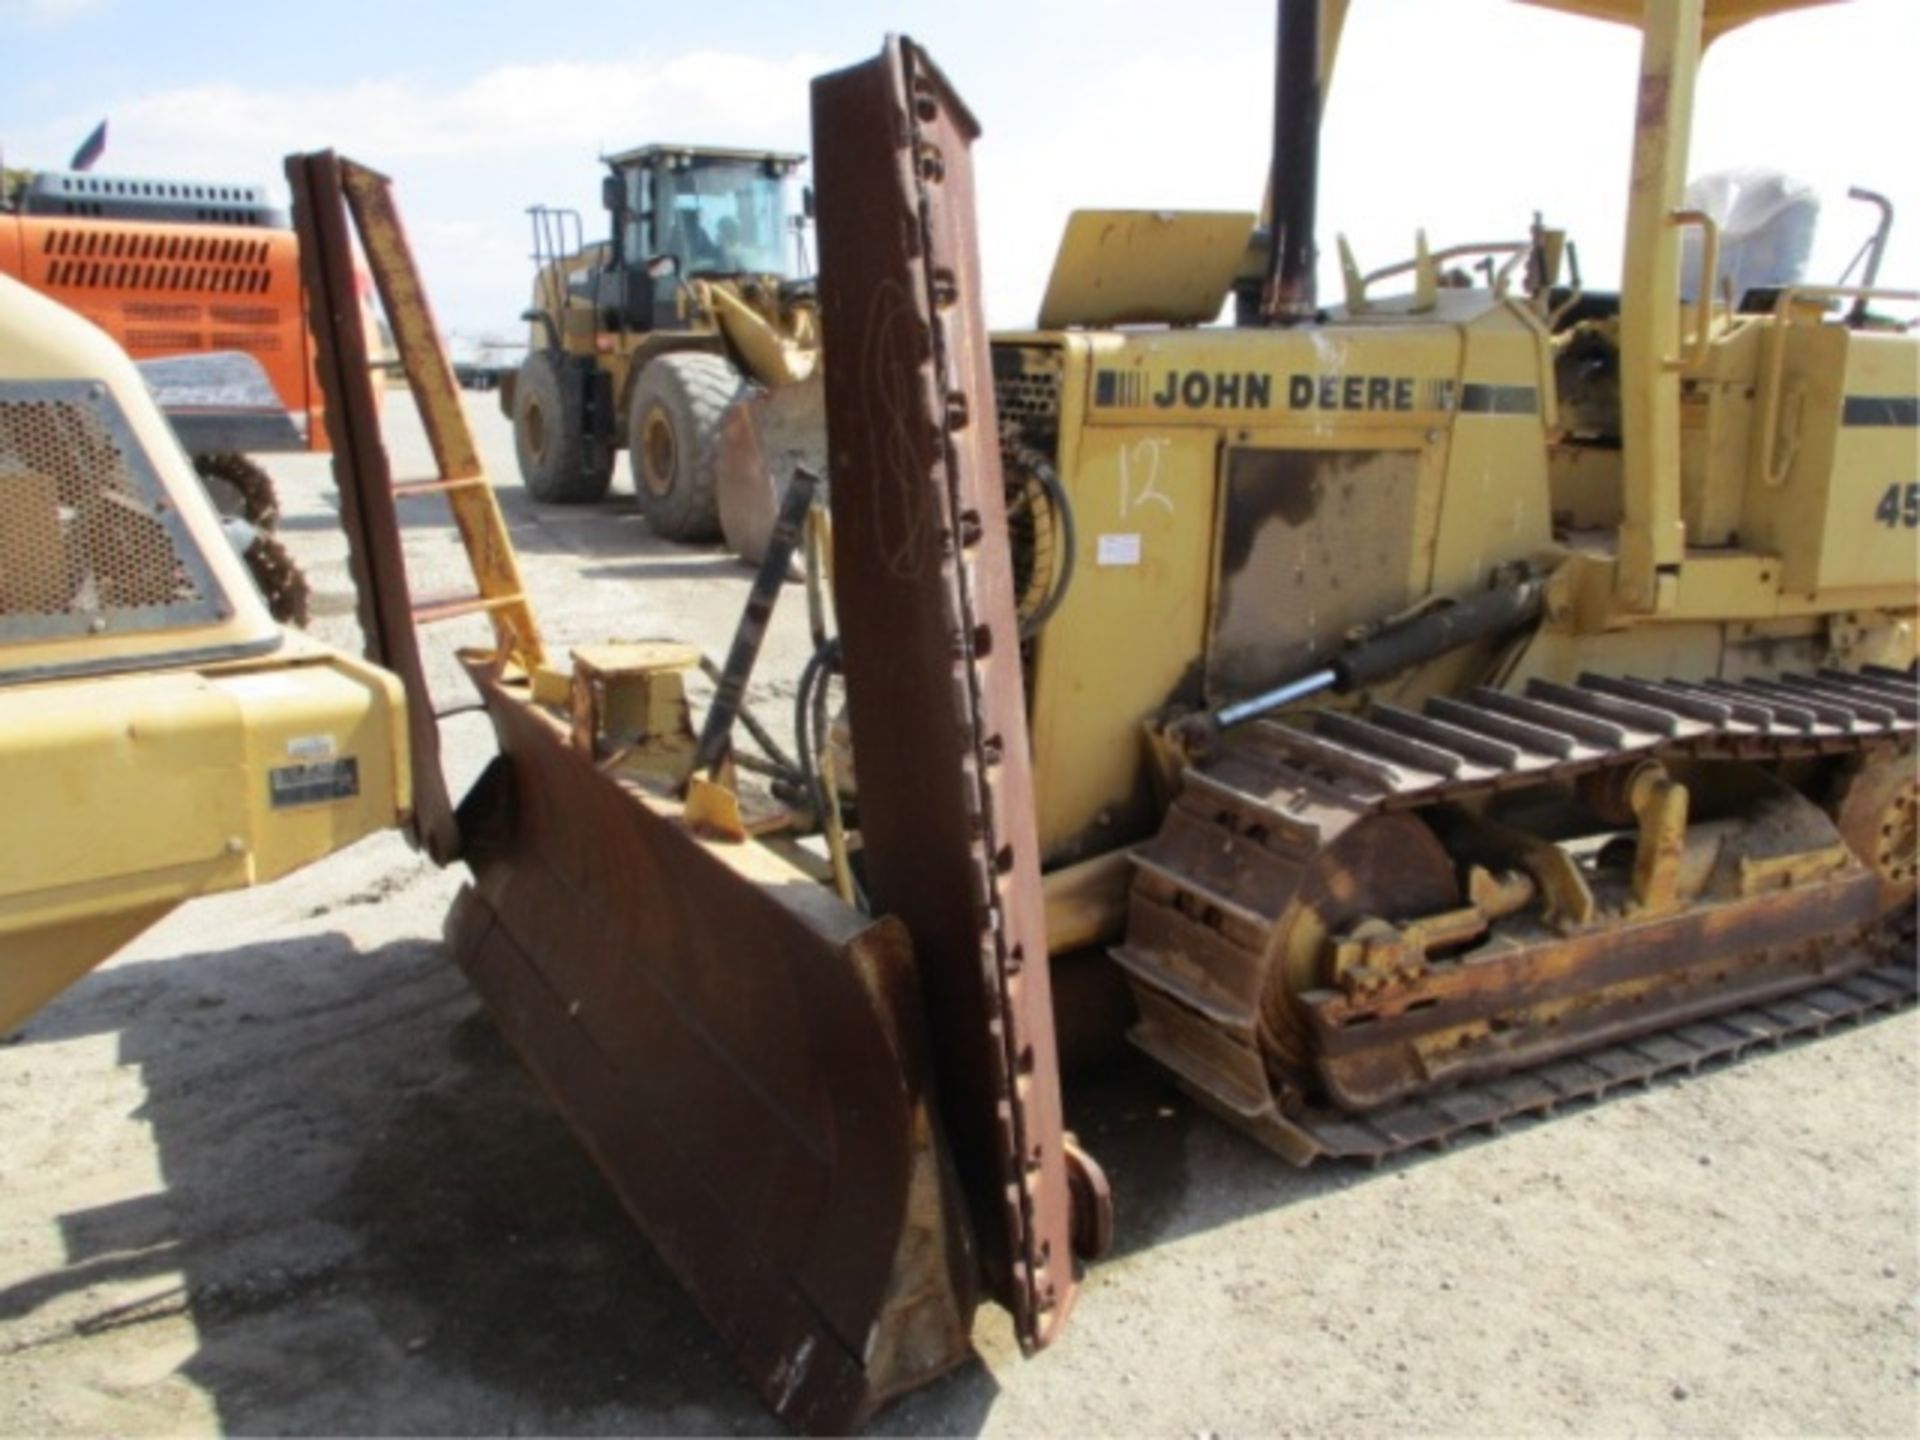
272, 1170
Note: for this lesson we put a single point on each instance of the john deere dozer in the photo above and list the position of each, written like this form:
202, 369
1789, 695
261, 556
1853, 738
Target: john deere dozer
1440, 707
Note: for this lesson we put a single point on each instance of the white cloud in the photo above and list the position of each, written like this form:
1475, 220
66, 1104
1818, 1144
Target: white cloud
466, 159
42, 14
1462, 118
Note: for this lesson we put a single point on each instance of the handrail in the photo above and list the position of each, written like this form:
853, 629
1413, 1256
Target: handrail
1699, 342
1453, 252
1875, 249
1775, 475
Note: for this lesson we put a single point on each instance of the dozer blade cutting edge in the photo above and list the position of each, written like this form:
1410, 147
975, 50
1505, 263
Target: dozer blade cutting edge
923, 588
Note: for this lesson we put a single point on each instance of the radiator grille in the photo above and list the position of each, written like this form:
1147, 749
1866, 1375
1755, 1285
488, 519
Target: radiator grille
87, 541
1028, 396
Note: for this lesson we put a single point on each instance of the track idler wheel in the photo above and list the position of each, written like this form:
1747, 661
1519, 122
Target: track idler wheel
1878, 814
1387, 867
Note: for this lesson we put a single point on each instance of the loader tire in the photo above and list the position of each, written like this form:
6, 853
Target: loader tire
673, 440
559, 462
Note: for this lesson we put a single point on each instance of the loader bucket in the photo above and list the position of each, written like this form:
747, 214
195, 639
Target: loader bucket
741, 1054
763, 437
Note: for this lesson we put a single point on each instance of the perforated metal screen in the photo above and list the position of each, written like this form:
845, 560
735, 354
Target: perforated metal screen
1027, 395
88, 540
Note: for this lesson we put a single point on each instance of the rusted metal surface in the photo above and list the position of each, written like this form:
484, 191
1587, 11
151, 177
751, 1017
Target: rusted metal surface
360, 470
742, 1055
1877, 987
1280, 924
1471, 1021
1359, 505
241, 489
924, 594
1878, 814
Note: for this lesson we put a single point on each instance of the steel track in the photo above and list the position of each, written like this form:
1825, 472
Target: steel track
1215, 886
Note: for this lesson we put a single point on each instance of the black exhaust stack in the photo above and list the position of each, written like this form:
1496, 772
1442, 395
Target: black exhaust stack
1294, 181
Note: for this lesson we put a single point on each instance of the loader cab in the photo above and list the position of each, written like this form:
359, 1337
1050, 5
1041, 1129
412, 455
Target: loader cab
685, 213
680, 213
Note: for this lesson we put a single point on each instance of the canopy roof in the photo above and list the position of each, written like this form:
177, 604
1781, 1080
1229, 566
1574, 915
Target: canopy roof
1719, 16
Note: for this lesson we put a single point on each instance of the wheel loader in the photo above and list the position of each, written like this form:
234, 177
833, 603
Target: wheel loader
688, 337
161, 737
1432, 708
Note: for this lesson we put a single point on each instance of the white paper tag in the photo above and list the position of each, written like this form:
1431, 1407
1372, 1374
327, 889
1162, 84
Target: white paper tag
1118, 550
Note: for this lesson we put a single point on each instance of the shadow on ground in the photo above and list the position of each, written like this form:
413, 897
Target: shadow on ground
378, 1224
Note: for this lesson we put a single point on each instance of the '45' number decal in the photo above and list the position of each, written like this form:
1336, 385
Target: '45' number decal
1899, 506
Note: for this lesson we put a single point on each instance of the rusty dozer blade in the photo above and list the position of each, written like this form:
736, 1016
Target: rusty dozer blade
742, 1053
924, 594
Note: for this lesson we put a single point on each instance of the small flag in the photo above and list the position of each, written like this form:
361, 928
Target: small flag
91, 149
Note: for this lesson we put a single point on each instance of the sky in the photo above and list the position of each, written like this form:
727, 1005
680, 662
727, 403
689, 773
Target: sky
1461, 117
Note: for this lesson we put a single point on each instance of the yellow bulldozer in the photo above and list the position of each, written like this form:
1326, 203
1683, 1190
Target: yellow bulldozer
1429, 708
688, 337
1463, 679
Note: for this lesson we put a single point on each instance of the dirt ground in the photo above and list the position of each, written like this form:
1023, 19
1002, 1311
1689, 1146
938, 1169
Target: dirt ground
273, 1171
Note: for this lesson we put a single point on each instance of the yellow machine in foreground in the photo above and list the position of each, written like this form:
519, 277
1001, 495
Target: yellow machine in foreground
689, 337
160, 736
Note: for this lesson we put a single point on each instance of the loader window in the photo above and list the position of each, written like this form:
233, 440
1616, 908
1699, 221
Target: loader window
723, 218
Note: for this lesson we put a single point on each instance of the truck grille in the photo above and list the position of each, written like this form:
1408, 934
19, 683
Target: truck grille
88, 543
